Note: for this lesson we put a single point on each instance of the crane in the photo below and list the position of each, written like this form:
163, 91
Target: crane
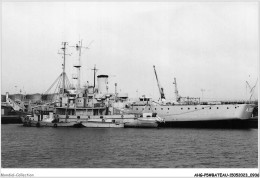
159, 86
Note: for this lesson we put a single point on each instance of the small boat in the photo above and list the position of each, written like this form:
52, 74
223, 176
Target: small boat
102, 123
146, 120
46, 119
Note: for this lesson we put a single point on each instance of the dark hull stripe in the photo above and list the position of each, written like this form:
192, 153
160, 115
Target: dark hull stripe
249, 123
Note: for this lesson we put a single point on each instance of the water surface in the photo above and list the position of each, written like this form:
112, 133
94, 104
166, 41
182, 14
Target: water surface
30, 147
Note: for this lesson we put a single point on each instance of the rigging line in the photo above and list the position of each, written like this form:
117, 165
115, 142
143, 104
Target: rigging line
56, 89
67, 81
252, 89
52, 85
58, 84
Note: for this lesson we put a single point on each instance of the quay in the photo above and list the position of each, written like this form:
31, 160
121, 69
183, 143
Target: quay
11, 119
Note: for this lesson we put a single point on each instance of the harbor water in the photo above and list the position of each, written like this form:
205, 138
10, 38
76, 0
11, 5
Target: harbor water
32, 147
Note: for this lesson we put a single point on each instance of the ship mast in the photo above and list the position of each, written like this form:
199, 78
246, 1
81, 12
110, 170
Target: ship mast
62, 81
64, 45
177, 97
95, 70
78, 64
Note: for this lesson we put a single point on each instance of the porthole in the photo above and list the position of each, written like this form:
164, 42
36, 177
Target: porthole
202, 108
136, 108
188, 108
161, 108
181, 108
195, 108
217, 107
155, 108
168, 108
227, 108
209, 107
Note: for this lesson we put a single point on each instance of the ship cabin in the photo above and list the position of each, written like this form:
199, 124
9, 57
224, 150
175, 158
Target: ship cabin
83, 103
91, 101
143, 100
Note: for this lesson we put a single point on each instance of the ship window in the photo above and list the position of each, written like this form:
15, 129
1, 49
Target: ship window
227, 107
143, 108
168, 108
161, 108
209, 107
155, 108
113, 121
202, 108
149, 108
217, 107
188, 108
195, 108
235, 107
136, 108
181, 108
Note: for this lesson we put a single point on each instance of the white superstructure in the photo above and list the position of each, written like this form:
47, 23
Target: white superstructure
198, 112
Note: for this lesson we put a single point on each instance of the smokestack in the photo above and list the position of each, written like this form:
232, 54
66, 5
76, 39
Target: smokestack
102, 84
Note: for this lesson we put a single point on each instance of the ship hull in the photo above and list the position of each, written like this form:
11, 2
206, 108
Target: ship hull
102, 124
141, 124
199, 113
33, 123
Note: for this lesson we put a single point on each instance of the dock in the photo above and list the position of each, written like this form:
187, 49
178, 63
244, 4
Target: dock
11, 119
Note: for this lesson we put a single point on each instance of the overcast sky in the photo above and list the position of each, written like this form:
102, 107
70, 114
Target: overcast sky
206, 45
